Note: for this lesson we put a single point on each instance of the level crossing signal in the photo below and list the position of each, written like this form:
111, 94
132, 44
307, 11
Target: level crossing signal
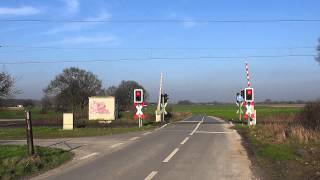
138, 96
249, 94
164, 98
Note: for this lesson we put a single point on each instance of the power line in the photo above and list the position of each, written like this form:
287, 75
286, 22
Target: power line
208, 58
154, 48
163, 21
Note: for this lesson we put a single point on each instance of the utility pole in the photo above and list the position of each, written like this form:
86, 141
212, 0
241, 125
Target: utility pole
158, 111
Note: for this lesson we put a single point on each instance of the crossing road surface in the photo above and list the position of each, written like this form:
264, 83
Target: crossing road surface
199, 147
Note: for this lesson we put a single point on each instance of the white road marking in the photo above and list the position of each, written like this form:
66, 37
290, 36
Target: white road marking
171, 155
185, 140
151, 175
162, 126
213, 132
146, 133
195, 129
116, 145
134, 138
89, 155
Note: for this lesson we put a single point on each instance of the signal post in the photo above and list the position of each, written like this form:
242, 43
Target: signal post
139, 104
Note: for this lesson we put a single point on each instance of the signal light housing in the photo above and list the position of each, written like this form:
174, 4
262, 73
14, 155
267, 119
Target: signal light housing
249, 94
138, 96
164, 98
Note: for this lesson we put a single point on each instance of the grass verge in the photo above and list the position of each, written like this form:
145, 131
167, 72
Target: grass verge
16, 164
289, 159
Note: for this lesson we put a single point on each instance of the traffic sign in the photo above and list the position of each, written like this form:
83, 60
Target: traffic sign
163, 108
239, 98
139, 113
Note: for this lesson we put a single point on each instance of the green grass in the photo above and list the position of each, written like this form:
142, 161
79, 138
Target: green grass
15, 163
290, 159
224, 111
262, 148
51, 132
35, 113
228, 112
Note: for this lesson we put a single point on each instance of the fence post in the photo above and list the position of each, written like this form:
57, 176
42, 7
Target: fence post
29, 132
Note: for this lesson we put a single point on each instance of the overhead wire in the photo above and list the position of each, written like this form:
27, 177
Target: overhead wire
208, 58
162, 20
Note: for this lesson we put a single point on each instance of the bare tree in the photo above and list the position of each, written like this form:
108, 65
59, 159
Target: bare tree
72, 88
6, 85
111, 91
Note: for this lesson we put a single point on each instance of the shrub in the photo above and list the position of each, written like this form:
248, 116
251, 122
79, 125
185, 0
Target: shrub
310, 115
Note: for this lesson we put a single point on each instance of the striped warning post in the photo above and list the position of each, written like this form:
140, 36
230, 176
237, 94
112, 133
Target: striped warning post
248, 75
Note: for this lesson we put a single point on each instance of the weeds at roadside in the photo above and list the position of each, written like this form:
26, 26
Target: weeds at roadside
286, 146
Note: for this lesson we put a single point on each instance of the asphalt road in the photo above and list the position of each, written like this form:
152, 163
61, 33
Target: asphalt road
199, 147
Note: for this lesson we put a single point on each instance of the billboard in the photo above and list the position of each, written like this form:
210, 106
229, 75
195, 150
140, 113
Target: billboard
102, 108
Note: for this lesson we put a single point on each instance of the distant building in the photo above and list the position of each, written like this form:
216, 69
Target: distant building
19, 106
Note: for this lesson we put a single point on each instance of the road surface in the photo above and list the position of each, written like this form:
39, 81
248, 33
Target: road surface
199, 147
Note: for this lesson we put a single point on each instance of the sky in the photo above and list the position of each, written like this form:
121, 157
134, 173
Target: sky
201, 61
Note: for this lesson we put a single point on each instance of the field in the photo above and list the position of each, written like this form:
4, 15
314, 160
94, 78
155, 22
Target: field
15, 163
228, 112
16, 113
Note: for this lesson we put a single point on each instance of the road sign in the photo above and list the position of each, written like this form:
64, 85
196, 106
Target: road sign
239, 98
163, 108
139, 114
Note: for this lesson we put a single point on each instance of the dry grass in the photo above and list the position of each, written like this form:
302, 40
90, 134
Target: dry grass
279, 129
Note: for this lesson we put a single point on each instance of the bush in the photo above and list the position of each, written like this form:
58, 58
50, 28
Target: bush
310, 115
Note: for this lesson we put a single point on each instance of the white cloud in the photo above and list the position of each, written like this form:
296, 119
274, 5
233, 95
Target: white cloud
81, 25
107, 39
19, 11
72, 5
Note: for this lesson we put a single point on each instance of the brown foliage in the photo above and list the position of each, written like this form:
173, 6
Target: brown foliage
310, 116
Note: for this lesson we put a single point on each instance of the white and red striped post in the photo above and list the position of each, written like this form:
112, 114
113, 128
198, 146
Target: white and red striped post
248, 75
253, 115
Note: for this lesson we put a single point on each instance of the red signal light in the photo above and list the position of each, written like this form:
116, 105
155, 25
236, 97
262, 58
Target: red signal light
138, 96
249, 93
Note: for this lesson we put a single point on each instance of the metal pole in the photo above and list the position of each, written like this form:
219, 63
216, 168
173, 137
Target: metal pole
162, 113
29, 133
240, 111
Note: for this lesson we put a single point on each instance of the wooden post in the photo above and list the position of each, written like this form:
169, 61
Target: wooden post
29, 132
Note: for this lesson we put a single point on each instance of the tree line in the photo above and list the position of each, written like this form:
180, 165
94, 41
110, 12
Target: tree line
70, 90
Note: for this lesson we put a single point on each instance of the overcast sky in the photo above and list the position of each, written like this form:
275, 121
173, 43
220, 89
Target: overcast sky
211, 68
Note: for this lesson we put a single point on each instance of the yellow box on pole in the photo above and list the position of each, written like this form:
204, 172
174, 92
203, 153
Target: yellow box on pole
67, 121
